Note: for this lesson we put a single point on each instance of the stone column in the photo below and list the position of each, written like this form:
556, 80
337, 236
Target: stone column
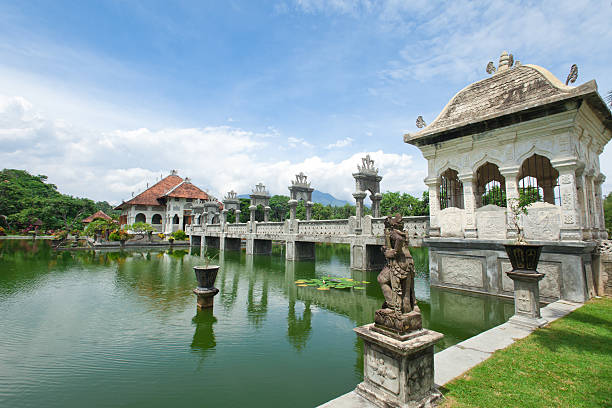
469, 204
359, 210
512, 193
433, 183
583, 203
308, 206
599, 180
237, 216
570, 206
266, 213
205, 216
376, 198
292, 209
252, 209
590, 206
223, 216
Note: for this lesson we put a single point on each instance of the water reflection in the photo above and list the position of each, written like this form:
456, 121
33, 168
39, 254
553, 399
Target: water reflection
299, 325
204, 336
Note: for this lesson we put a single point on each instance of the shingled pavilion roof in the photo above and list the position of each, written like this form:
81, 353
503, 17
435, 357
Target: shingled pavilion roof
509, 96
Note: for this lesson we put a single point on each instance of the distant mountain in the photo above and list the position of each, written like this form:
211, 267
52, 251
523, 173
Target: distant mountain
318, 197
327, 199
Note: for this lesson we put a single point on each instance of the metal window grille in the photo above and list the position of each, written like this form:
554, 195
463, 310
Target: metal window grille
539, 181
491, 185
451, 190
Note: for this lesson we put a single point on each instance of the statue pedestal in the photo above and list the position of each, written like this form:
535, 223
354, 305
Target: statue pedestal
205, 297
398, 373
526, 298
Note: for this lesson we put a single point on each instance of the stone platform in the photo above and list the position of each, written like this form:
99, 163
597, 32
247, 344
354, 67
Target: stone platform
454, 361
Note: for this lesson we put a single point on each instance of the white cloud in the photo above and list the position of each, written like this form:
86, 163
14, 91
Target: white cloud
294, 142
341, 143
111, 165
458, 40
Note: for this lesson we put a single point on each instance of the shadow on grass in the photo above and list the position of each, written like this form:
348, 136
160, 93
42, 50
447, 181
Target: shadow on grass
586, 318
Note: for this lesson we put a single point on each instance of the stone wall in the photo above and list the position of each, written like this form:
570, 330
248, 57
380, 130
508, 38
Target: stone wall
481, 266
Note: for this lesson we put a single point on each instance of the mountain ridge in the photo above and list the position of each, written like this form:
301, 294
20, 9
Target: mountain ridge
318, 197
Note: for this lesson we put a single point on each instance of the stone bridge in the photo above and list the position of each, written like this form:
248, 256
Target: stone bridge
300, 237
364, 233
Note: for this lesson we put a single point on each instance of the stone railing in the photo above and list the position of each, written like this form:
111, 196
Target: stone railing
240, 228
213, 228
417, 227
323, 227
269, 228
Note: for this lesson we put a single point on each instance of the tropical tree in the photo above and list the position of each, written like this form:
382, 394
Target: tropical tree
404, 203
608, 213
99, 225
279, 205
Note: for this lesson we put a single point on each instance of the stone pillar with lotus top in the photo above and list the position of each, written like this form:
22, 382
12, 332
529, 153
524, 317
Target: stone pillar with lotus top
398, 352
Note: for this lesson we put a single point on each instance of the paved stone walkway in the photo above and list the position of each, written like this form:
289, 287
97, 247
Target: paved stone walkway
455, 360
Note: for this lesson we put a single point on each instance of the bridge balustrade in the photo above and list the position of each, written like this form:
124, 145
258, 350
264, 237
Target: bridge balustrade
269, 228
240, 228
324, 227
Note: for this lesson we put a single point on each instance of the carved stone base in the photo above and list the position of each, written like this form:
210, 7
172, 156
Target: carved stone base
526, 298
205, 297
397, 326
398, 373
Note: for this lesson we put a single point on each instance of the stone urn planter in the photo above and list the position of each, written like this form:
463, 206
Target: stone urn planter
122, 243
206, 276
524, 257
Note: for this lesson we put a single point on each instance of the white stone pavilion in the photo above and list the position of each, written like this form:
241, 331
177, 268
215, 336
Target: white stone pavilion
520, 131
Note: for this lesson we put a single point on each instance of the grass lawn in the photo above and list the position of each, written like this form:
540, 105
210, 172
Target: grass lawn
566, 364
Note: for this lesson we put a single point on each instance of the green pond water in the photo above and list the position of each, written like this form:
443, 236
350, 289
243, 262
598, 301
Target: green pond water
121, 329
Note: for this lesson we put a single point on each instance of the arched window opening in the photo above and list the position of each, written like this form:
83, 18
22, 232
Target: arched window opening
451, 190
539, 181
140, 217
490, 186
175, 219
157, 219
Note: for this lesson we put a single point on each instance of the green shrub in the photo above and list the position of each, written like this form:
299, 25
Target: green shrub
179, 235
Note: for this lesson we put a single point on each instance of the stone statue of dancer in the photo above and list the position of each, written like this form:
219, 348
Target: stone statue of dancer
396, 280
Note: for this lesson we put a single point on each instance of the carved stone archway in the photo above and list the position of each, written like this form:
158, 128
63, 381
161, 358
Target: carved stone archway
260, 196
367, 179
231, 202
300, 190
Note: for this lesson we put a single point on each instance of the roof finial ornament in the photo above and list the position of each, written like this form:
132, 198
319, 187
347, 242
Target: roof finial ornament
420, 123
490, 68
173, 173
505, 62
573, 75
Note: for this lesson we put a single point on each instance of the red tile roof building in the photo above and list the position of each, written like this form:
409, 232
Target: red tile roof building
101, 215
166, 205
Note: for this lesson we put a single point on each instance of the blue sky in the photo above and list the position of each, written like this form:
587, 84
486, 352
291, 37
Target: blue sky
105, 96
